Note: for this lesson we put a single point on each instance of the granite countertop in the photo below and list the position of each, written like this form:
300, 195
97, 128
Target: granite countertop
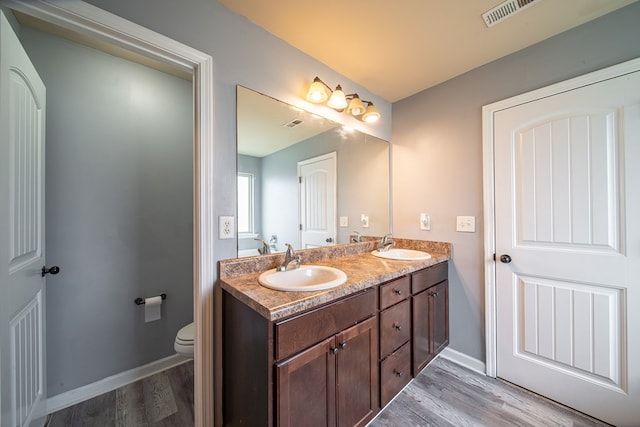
239, 277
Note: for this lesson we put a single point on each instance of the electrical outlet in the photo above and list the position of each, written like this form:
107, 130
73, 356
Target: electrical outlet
344, 221
466, 224
225, 227
425, 222
364, 220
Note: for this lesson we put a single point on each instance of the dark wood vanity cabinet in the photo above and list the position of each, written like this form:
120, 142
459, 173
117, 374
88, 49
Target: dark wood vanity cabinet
331, 383
337, 364
319, 368
430, 314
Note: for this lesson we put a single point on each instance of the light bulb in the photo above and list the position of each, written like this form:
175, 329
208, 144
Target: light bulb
371, 115
338, 100
356, 107
317, 92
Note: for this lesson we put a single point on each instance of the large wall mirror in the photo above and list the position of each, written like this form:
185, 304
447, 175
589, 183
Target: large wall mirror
305, 180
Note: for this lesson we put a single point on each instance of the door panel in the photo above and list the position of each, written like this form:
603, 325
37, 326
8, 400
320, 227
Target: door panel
575, 156
318, 201
566, 199
22, 308
582, 336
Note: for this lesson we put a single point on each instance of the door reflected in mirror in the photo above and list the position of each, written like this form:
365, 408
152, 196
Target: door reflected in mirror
305, 180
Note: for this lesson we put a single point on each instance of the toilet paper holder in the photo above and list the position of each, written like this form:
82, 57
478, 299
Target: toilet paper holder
140, 301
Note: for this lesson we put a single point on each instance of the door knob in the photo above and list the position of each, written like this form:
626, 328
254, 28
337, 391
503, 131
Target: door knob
329, 240
53, 270
505, 258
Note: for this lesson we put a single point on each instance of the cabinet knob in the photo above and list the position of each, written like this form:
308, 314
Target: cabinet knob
398, 373
342, 345
333, 350
398, 292
397, 327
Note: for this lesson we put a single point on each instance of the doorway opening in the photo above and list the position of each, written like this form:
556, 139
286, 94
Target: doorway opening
90, 22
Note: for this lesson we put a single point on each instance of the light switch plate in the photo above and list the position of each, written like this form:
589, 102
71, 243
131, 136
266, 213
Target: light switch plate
466, 224
364, 220
225, 227
425, 222
344, 221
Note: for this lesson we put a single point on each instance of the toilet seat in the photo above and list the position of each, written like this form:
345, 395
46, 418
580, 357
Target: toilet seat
184, 340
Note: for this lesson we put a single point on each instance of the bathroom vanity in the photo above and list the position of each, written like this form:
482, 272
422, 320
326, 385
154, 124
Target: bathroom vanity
332, 357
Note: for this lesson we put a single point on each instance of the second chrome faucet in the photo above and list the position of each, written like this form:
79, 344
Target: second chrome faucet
386, 243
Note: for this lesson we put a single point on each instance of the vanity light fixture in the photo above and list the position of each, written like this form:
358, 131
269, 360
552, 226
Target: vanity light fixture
320, 92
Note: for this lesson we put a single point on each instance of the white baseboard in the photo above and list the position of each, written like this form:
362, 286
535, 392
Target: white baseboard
464, 360
80, 394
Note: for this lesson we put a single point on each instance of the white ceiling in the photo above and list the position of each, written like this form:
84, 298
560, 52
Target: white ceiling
398, 48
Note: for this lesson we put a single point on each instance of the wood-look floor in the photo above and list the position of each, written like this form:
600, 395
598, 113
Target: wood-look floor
445, 394
162, 399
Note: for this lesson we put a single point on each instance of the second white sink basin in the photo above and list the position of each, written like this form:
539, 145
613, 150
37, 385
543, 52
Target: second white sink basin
305, 278
402, 254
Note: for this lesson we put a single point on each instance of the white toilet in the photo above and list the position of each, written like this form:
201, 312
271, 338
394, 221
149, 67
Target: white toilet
184, 340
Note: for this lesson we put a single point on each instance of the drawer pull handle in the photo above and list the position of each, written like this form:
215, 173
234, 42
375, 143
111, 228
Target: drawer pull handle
398, 373
342, 345
433, 294
333, 350
397, 327
398, 292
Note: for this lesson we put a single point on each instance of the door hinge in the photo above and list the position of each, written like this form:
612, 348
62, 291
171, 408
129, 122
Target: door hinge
299, 180
494, 257
300, 227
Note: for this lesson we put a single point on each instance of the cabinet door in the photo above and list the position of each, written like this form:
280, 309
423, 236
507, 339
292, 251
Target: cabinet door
305, 384
439, 314
430, 324
357, 374
420, 339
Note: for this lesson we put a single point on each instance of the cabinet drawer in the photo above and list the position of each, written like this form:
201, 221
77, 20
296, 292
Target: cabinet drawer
394, 292
423, 279
395, 327
395, 373
300, 332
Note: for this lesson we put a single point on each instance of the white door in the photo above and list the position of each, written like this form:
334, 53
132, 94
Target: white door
567, 213
318, 201
22, 340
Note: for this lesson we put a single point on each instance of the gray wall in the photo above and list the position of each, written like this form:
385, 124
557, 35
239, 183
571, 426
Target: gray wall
362, 180
437, 141
119, 209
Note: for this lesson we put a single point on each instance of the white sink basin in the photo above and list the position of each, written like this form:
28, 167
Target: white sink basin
402, 254
305, 278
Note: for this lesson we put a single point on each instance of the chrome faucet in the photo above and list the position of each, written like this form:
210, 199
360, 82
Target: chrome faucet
265, 249
289, 257
386, 243
356, 238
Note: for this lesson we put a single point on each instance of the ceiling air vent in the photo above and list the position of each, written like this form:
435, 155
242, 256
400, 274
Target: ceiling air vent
505, 10
293, 123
